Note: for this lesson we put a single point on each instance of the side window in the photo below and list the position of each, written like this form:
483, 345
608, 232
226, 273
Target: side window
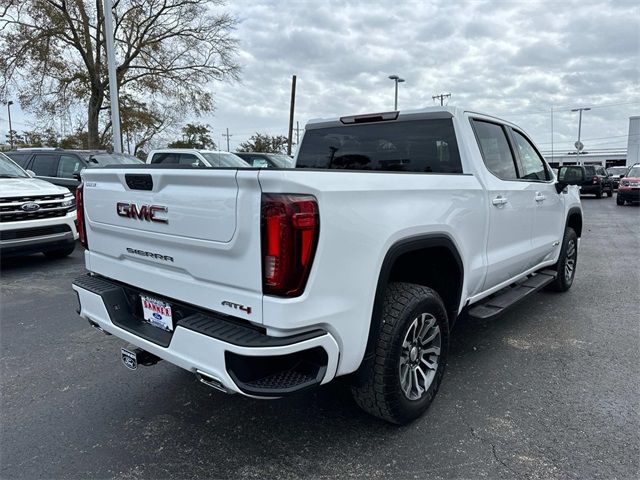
20, 158
188, 159
601, 171
495, 150
258, 162
68, 165
570, 174
532, 163
167, 158
45, 164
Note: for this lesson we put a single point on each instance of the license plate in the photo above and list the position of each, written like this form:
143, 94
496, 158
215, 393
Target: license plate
157, 313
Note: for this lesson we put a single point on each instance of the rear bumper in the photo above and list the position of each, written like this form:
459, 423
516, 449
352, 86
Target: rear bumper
240, 356
591, 188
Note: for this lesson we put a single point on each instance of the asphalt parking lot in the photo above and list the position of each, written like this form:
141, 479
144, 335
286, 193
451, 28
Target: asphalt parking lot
550, 390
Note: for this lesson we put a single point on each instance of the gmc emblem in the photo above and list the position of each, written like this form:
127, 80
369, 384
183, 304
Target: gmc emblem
144, 212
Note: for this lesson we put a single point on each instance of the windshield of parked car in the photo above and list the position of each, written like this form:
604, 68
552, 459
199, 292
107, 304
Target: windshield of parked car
104, 159
616, 170
634, 172
281, 161
224, 159
8, 169
427, 146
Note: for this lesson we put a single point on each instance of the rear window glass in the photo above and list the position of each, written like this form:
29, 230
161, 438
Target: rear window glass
411, 146
590, 170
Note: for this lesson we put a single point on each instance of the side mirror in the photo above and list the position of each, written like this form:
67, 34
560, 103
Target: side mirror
560, 186
31, 173
76, 175
620, 177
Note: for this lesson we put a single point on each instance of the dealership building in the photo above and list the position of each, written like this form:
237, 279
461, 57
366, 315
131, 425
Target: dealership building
606, 157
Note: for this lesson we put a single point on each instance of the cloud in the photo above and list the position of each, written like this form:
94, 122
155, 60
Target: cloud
509, 58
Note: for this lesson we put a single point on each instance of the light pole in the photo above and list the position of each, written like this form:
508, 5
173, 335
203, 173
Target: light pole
9, 103
113, 80
578, 144
397, 80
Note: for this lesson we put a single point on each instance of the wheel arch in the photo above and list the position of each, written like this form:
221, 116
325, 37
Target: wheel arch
438, 247
574, 220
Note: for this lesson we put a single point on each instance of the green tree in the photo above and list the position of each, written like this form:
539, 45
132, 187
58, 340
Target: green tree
264, 143
52, 54
195, 135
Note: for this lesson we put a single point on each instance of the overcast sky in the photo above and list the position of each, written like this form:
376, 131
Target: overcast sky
512, 59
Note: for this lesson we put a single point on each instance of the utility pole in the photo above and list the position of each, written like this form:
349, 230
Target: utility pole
291, 110
9, 103
579, 146
113, 79
552, 133
297, 133
227, 135
442, 96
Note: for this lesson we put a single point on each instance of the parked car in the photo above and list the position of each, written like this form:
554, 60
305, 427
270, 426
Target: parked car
629, 189
35, 216
196, 158
615, 173
266, 160
357, 262
62, 167
593, 179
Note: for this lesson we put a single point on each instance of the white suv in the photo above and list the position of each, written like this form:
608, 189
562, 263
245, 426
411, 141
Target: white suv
35, 215
196, 158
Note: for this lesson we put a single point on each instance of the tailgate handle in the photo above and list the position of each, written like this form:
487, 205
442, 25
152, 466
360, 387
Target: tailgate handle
139, 181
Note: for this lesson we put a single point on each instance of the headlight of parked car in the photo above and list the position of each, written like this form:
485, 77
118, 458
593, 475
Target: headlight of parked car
68, 200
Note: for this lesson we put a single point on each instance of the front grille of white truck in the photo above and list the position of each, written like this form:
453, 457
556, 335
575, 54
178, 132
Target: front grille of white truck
37, 207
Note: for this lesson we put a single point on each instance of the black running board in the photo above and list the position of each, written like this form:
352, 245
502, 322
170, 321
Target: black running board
500, 301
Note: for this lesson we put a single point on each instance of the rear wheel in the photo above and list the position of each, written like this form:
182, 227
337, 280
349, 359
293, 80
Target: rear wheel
567, 262
599, 194
410, 355
610, 192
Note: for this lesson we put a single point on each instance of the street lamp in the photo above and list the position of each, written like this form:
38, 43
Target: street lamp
578, 144
9, 103
397, 80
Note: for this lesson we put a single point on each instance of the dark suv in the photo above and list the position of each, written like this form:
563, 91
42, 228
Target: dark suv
590, 178
61, 167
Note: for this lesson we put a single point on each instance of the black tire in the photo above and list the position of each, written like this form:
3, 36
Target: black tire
568, 251
610, 192
619, 201
599, 194
60, 252
380, 391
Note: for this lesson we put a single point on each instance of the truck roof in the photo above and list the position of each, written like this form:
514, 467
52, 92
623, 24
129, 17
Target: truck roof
412, 114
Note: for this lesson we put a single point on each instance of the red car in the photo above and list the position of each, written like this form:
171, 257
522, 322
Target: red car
629, 188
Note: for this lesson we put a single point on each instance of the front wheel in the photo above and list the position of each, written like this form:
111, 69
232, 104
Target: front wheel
60, 252
619, 201
410, 355
610, 192
567, 262
599, 194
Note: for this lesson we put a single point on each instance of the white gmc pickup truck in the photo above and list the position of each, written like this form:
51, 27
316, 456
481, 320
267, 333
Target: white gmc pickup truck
356, 262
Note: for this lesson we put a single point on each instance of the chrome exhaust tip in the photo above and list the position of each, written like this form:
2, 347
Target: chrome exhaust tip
210, 381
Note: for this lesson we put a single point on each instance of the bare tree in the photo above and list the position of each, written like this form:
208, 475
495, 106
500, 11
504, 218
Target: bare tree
52, 54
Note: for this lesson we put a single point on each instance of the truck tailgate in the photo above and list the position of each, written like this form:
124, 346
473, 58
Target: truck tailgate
187, 234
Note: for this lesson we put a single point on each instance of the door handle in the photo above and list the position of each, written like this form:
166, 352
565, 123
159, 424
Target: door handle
539, 197
499, 200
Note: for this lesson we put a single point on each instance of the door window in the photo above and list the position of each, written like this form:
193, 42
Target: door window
495, 149
45, 164
532, 163
188, 159
68, 165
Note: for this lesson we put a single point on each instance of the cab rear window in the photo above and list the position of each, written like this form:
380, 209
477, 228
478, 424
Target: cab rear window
425, 146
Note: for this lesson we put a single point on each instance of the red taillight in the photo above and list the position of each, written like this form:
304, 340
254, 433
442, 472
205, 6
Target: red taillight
596, 180
290, 226
82, 233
